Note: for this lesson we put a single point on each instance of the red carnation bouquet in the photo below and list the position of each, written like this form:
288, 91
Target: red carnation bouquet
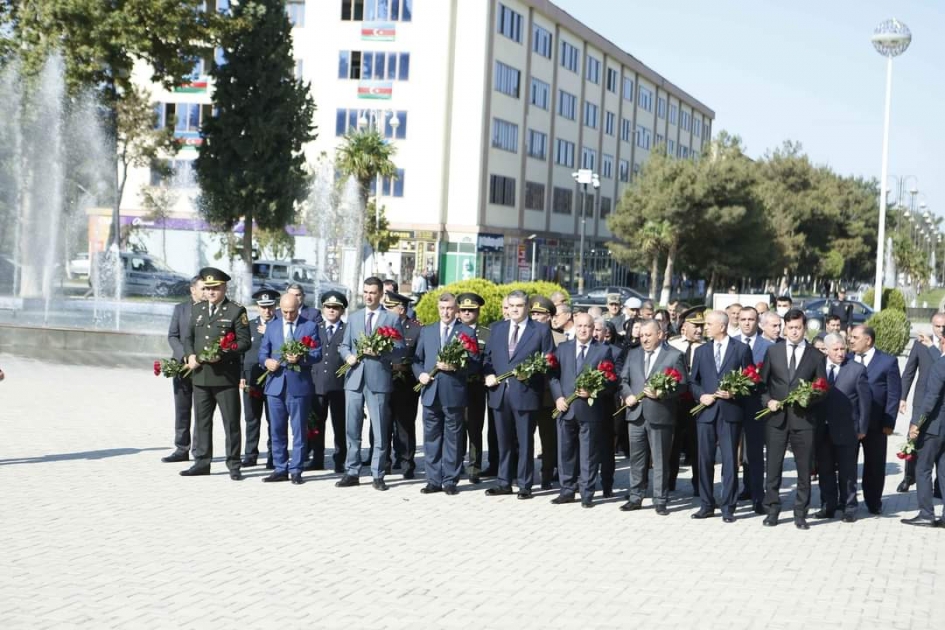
803, 395
296, 347
456, 353
171, 368
664, 382
537, 363
737, 383
211, 353
593, 381
378, 342
908, 449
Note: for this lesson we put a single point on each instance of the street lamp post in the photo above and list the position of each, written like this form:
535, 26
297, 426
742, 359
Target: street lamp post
584, 177
533, 238
379, 118
891, 38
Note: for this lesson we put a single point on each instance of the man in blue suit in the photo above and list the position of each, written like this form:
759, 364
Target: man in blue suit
443, 397
370, 380
515, 402
288, 393
753, 451
886, 388
721, 422
842, 420
930, 443
580, 423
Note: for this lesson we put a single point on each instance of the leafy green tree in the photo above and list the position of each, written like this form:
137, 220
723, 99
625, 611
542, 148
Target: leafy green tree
250, 166
376, 229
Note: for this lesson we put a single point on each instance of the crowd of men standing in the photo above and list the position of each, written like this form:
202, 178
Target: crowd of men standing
298, 393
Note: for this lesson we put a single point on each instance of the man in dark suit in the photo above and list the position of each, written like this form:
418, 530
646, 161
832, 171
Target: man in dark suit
842, 419
753, 452
785, 365
515, 402
469, 305
216, 383
580, 422
651, 418
369, 381
289, 392
886, 388
183, 387
254, 400
925, 352
329, 397
444, 398
308, 312
721, 421
684, 434
930, 444
403, 400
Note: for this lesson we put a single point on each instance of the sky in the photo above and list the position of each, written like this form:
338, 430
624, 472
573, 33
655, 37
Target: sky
776, 70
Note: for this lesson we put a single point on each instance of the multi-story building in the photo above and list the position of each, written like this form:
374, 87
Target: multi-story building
491, 105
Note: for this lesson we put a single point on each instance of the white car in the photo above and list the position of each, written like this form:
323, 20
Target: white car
78, 266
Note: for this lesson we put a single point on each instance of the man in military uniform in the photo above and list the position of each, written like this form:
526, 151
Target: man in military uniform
254, 401
469, 305
613, 310
183, 388
540, 310
216, 382
404, 402
684, 437
329, 388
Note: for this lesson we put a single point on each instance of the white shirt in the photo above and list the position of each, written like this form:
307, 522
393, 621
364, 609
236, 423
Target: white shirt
285, 328
724, 344
377, 313
445, 329
748, 339
866, 360
577, 348
521, 329
656, 353
798, 351
831, 364
569, 334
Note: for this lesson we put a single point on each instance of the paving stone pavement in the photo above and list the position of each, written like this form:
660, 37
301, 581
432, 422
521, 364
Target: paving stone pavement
98, 533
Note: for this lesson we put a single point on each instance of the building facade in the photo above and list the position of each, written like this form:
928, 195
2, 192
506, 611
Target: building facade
491, 105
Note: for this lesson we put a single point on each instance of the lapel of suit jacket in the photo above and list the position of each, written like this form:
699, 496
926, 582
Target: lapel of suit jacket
662, 360
528, 331
729, 356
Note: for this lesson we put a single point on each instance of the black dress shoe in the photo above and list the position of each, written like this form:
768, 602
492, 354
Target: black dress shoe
409, 473
297, 479
661, 510
430, 489
904, 485
771, 521
236, 475
703, 513
194, 471
450, 490
561, 499
378, 484
546, 485
849, 517
801, 523
313, 466
347, 481
524, 494
176, 456
728, 518
608, 493
920, 521
474, 479
824, 513
631, 506
339, 468
248, 461
760, 508
876, 511
499, 490
587, 503
745, 495
276, 477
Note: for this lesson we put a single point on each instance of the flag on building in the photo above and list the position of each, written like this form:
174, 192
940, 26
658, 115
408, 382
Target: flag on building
378, 31
375, 89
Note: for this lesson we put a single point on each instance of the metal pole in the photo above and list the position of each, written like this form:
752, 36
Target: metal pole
581, 254
534, 247
881, 234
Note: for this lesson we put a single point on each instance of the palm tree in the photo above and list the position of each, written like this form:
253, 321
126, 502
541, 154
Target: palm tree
365, 155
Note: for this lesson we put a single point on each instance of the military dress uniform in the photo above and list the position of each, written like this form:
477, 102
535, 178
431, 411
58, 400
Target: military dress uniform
217, 384
476, 399
684, 437
329, 389
254, 401
547, 426
404, 402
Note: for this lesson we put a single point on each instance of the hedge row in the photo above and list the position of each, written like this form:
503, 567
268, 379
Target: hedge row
492, 293
892, 298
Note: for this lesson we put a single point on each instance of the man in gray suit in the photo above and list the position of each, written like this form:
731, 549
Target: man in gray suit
368, 381
652, 417
183, 387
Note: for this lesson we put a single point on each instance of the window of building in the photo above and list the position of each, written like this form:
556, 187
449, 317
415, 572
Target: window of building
659, 139
296, 13
588, 158
567, 103
537, 144
347, 120
588, 205
188, 116
607, 166
534, 196
541, 42
371, 10
590, 115
683, 151
696, 127
564, 153
673, 113
671, 148
183, 175
509, 23
540, 92
504, 135
592, 70
373, 65
684, 120
644, 136
392, 186
628, 88
623, 171
507, 79
695, 155
610, 123
561, 200
502, 190
605, 207
569, 56
612, 76
661, 107
626, 130
636, 169
645, 98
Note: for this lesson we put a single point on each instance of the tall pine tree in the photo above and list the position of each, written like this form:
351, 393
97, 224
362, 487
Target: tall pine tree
251, 165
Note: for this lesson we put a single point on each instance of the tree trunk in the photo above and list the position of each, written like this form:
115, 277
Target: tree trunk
654, 274
668, 273
710, 289
359, 245
247, 280
784, 284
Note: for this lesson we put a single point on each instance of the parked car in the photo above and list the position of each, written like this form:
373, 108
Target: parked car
598, 296
817, 310
143, 274
279, 274
78, 266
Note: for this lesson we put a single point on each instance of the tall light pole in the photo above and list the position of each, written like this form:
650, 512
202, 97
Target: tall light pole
533, 238
891, 38
584, 177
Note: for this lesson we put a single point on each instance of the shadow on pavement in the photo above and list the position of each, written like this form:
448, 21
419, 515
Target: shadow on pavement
59, 457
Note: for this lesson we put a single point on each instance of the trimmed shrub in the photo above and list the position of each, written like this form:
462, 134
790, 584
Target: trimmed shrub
892, 298
892, 330
492, 293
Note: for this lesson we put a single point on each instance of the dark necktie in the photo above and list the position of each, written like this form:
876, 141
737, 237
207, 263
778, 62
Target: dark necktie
331, 330
747, 341
370, 322
688, 355
862, 358
444, 334
582, 355
646, 363
832, 377
212, 311
291, 330
514, 341
792, 364
718, 356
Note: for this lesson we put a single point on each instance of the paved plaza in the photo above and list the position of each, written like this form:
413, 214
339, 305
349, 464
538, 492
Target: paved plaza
99, 533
